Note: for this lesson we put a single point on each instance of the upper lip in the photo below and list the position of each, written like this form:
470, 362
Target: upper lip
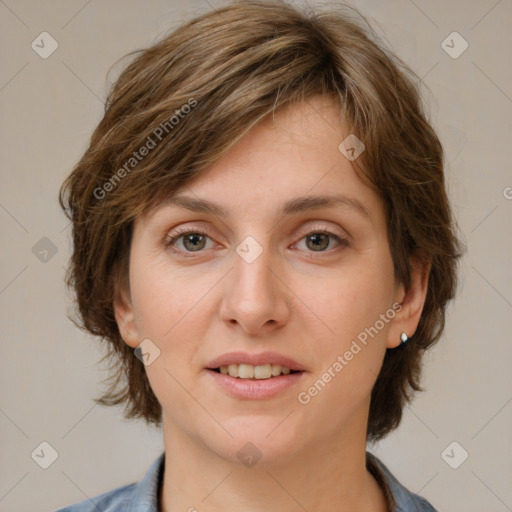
260, 358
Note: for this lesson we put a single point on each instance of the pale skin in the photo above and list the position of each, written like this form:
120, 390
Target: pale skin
305, 301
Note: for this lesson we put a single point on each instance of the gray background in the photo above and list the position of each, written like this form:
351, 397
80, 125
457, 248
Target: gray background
49, 373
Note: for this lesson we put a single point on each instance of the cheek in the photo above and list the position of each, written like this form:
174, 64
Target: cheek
169, 307
349, 301
349, 347
174, 309
347, 330
163, 298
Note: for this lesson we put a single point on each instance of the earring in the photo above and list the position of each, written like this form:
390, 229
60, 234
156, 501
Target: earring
404, 338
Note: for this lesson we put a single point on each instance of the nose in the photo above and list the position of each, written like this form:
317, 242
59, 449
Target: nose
256, 297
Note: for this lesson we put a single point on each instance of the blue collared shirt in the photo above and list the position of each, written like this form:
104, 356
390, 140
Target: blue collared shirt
144, 495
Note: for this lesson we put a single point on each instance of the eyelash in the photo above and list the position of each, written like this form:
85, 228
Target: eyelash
180, 232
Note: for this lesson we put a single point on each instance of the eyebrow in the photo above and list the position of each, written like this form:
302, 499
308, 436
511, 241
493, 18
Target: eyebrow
290, 207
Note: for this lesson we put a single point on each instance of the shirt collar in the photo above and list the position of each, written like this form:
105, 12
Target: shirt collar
398, 497
146, 495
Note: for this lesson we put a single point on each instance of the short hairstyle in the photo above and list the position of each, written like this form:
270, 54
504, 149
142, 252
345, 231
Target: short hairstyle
191, 96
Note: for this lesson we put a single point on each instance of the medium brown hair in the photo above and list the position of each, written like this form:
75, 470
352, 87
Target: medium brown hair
201, 89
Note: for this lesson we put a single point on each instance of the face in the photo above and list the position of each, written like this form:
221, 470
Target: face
276, 274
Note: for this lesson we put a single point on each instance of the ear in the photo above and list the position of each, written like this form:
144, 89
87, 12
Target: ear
125, 317
407, 316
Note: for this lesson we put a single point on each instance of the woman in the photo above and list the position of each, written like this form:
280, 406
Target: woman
263, 238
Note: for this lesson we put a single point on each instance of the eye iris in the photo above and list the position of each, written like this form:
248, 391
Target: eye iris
318, 245
194, 236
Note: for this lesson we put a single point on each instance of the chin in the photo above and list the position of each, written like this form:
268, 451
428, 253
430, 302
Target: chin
257, 440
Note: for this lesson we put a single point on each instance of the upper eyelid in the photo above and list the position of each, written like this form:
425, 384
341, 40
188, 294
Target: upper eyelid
181, 231
208, 230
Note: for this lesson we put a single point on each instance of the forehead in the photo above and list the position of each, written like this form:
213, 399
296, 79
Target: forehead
284, 165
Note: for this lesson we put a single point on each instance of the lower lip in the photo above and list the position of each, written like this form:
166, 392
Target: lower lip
255, 389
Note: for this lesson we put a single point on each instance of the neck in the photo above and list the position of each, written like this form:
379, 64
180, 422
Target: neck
329, 476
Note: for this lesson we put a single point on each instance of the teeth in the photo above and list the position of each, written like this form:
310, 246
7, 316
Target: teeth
263, 371
248, 371
245, 371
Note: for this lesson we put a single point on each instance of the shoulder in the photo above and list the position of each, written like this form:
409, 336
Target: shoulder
404, 500
128, 498
111, 501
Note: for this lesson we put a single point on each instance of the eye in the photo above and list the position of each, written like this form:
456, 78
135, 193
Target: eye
194, 240
319, 240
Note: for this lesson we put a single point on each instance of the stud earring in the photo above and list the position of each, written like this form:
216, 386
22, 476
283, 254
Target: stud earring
404, 338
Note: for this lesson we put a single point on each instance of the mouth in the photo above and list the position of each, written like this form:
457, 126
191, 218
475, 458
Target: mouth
251, 372
260, 382
255, 376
